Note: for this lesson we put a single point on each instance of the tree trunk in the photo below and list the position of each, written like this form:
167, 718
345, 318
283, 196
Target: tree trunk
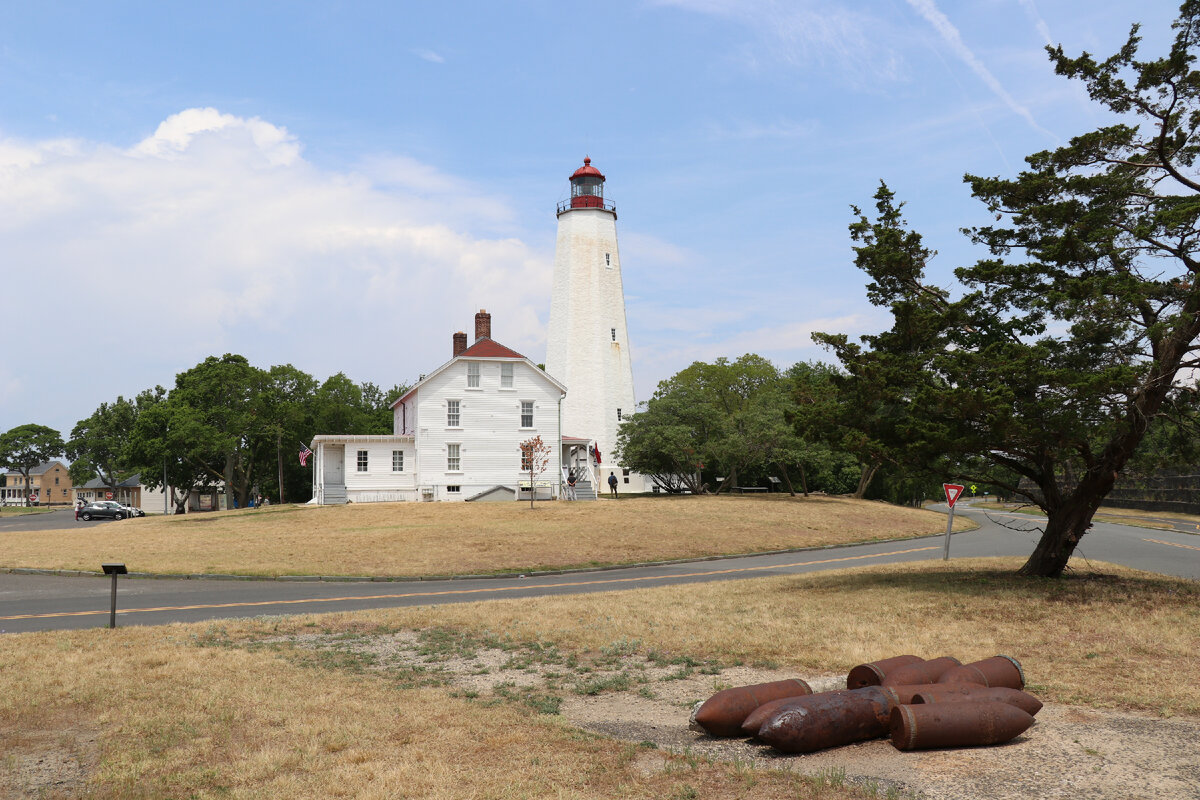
1066, 524
864, 479
803, 480
787, 479
279, 459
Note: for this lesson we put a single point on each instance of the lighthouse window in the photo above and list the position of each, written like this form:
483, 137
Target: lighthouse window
618, 415
608, 259
614, 333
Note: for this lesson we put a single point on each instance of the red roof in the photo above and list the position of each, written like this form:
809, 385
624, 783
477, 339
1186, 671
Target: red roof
483, 348
587, 170
486, 348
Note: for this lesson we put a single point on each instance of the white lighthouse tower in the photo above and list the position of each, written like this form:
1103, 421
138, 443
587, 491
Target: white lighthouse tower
588, 347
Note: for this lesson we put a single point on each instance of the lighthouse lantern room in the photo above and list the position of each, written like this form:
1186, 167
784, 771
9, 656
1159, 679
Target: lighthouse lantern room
587, 190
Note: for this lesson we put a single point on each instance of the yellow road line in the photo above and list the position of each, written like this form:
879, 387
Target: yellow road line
1172, 544
486, 590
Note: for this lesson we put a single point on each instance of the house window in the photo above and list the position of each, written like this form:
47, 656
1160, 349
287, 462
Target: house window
453, 458
64, 492
56, 481
618, 415
453, 418
472, 374
526, 463
625, 473
362, 460
526, 413
453, 488
397, 461
506, 374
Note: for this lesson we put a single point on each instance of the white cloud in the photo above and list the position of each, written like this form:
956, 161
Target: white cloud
804, 32
176, 133
1042, 28
951, 36
215, 235
429, 55
749, 130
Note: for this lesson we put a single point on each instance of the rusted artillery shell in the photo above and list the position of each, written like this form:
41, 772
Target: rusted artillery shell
961, 692
872, 674
829, 719
758, 716
905, 694
924, 672
723, 713
995, 671
970, 723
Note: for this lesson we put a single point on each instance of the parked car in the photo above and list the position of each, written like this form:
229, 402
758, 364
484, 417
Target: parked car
103, 509
130, 511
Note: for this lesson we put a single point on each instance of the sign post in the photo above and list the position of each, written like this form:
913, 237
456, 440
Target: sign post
953, 492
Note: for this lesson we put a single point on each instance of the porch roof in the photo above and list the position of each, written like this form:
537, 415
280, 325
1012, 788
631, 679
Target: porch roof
349, 438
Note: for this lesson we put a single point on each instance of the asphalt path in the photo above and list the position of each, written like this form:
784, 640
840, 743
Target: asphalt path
41, 602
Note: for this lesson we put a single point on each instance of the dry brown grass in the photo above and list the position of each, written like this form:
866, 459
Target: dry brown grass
231, 710
409, 539
1106, 637
165, 714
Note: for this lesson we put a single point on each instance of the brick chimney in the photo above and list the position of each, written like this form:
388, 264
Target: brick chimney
460, 343
483, 324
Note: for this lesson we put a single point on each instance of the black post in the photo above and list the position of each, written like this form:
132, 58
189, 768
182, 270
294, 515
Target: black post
114, 570
112, 615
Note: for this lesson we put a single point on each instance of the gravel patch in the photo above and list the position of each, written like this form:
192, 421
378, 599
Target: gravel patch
1070, 752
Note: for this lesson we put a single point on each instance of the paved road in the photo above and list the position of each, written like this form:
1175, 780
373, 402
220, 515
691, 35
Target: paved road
55, 520
33, 602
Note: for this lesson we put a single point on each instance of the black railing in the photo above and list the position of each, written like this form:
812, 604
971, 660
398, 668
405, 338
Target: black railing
585, 201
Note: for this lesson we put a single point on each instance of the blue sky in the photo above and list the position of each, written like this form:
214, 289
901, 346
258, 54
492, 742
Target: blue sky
340, 186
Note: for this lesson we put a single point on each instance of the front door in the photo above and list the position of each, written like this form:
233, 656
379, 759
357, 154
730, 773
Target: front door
335, 465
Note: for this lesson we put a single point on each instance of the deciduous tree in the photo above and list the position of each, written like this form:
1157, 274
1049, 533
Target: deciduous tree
24, 447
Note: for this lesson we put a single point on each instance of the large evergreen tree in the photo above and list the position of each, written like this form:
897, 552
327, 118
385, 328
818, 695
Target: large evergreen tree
1071, 339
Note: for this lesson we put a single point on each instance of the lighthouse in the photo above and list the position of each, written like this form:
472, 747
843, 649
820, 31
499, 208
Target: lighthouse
588, 347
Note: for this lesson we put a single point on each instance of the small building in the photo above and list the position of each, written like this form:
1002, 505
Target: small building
456, 434
49, 484
129, 492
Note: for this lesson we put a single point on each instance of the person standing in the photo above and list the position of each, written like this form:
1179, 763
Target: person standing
612, 483
78, 505
571, 486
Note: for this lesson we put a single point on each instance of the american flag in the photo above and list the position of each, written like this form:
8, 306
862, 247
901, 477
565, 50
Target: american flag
304, 454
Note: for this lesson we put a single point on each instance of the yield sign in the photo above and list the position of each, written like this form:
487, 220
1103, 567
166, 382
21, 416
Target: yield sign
953, 492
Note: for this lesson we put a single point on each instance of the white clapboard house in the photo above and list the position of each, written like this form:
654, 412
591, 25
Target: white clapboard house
456, 434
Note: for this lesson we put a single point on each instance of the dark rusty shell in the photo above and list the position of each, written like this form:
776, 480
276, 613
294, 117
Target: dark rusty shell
924, 672
994, 671
905, 694
970, 723
872, 674
723, 713
959, 692
829, 719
